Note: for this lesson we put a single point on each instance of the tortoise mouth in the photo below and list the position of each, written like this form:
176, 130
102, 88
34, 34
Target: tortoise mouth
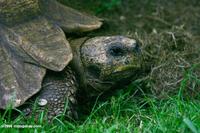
116, 80
122, 72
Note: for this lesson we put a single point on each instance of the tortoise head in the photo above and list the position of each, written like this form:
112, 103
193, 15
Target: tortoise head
108, 60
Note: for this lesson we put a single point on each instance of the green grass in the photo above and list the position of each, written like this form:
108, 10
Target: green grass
126, 112
131, 109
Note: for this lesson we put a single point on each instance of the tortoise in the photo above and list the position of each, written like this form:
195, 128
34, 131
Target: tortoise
38, 62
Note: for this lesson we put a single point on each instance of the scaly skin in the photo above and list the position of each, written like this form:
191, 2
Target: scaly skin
58, 96
32, 41
99, 68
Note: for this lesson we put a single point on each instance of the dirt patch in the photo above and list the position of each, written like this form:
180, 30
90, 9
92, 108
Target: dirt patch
173, 58
169, 32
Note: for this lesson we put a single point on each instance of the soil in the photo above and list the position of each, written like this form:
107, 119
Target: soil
169, 33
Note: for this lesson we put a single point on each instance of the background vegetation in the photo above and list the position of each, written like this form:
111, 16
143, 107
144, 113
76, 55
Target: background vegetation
165, 97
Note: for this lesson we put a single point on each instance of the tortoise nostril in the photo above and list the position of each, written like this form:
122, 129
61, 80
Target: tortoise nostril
137, 49
116, 51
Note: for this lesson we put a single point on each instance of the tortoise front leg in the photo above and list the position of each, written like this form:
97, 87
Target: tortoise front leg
58, 95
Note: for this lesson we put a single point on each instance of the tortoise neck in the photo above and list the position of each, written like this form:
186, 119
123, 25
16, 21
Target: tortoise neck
13, 12
77, 63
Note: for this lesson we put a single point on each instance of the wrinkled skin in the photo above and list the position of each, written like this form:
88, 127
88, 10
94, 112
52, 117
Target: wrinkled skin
99, 64
107, 60
32, 43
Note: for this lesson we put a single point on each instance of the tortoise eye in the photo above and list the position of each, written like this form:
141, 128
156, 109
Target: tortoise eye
116, 51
